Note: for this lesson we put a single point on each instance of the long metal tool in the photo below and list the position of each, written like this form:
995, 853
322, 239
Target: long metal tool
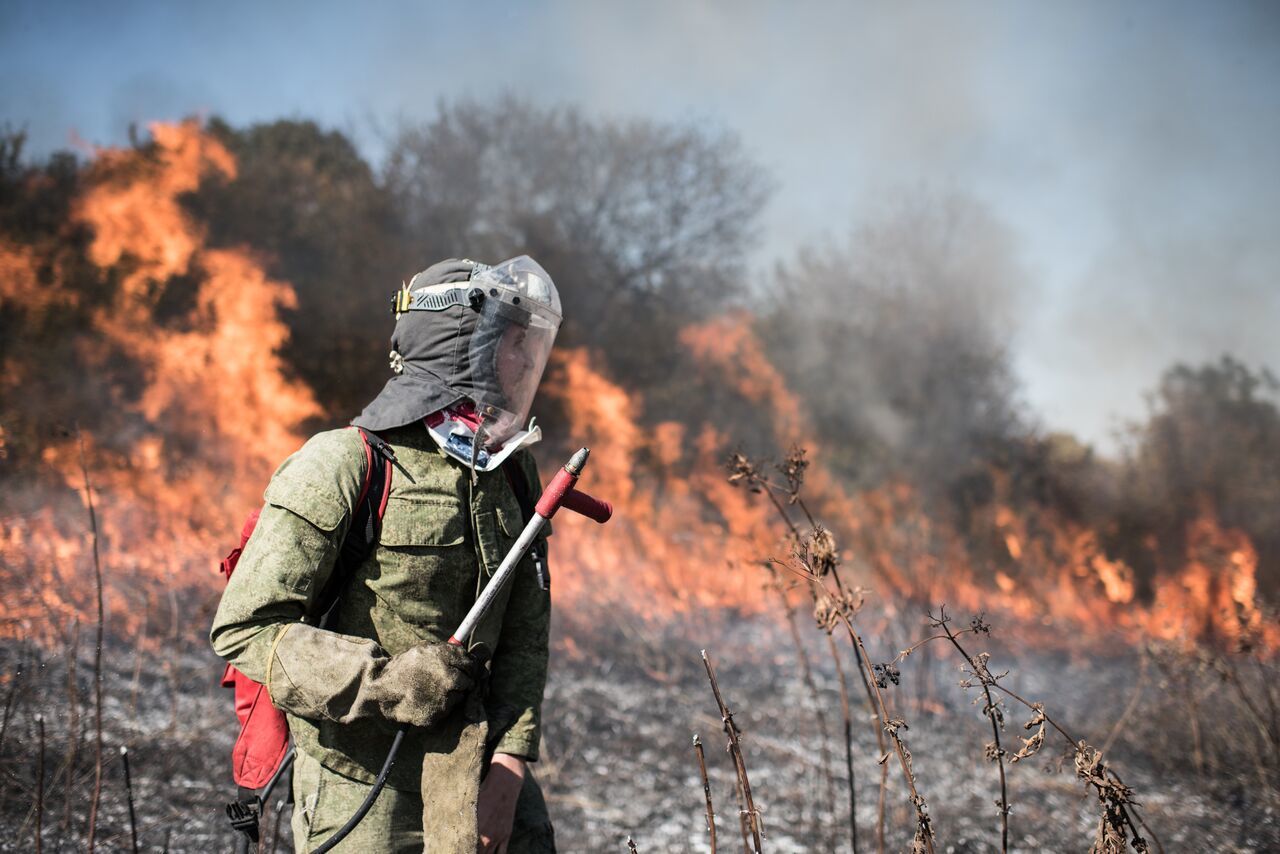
560, 492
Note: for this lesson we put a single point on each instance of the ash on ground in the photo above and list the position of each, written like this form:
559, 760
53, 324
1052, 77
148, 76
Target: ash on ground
618, 757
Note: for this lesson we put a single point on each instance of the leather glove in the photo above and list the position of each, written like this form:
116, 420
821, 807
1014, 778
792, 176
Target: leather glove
421, 685
318, 674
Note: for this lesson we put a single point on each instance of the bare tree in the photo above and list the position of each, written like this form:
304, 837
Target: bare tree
644, 225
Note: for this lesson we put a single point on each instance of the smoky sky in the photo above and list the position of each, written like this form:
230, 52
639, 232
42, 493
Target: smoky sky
1132, 149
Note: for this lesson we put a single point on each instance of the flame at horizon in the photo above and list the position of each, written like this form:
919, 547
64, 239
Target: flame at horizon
181, 460
181, 457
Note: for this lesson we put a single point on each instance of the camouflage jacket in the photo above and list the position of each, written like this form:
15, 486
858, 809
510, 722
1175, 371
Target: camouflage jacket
441, 539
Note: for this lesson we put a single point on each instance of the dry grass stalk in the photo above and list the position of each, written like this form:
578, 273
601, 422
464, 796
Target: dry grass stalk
923, 838
806, 673
743, 825
1118, 728
821, 546
847, 717
73, 724
816, 558
1232, 741
11, 696
39, 805
128, 793
992, 710
706, 790
97, 652
1268, 721
734, 746
1118, 824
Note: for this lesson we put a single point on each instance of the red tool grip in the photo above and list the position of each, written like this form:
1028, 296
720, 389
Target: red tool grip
592, 508
554, 494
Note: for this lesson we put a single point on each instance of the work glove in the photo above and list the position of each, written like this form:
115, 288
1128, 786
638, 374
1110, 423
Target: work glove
319, 674
421, 685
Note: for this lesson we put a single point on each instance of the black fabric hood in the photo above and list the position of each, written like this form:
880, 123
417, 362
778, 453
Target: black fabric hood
433, 346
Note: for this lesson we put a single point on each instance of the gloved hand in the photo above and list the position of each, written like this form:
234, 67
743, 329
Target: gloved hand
421, 685
318, 674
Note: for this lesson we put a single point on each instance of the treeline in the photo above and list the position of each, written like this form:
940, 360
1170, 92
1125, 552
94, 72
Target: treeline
896, 340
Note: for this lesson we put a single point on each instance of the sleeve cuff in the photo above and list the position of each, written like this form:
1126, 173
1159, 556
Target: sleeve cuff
520, 741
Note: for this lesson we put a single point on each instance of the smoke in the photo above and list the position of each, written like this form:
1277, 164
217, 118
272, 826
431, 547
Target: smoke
1184, 262
898, 340
1130, 149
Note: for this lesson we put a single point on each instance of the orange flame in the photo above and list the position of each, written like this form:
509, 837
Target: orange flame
217, 412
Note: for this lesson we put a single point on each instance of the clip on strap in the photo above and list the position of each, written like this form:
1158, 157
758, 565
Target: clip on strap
245, 815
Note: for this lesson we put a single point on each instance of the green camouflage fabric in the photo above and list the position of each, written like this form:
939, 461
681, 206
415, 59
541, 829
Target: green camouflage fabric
441, 538
323, 801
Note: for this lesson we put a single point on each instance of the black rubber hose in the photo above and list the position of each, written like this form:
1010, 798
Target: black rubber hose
369, 798
275, 778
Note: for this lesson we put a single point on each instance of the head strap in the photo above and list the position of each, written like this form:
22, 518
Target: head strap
429, 299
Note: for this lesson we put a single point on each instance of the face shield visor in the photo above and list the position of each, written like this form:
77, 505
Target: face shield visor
519, 318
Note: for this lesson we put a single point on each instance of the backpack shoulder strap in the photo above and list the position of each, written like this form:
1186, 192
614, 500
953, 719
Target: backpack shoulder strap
521, 487
366, 521
526, 493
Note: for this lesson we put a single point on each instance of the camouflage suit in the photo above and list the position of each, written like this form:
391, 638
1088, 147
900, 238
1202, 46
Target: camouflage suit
441, 538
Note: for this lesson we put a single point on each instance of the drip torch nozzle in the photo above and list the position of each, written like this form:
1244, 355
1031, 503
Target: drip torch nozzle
578, 462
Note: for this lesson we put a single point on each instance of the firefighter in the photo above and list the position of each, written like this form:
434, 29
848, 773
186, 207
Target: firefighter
469, 347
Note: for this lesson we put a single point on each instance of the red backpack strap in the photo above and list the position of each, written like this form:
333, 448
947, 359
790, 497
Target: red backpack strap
381, 458
263, 740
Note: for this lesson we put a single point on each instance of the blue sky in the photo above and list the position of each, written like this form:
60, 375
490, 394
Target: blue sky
1133, 148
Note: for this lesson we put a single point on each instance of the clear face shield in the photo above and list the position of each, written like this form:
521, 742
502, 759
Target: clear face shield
519, 318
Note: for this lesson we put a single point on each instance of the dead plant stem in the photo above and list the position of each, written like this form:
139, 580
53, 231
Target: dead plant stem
1268, 732
39, 784
847, 715
706, 790
806, 673
922, 818
1119, 726
878, 723
1130, 814
73, 724
97, 651
128, 793
11, 696
742, 818
985, 680
735, 750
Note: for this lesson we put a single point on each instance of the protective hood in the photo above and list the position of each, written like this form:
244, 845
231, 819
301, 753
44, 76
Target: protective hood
428, 354
465, 331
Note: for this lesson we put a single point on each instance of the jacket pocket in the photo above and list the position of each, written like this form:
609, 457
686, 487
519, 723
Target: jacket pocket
424, 569
510, 518
416, 523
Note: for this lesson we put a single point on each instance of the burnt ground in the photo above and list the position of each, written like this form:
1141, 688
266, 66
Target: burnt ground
618, 757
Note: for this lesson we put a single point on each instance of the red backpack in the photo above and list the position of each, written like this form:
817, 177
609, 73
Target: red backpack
263, 742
